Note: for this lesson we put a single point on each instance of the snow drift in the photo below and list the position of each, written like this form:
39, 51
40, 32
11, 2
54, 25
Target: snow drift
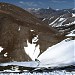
61, 54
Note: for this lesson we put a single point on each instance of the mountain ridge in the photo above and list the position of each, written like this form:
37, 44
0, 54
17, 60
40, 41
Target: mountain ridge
58, 19
17, 27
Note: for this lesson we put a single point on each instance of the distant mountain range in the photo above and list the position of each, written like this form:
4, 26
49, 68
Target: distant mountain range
49, 12
62, 20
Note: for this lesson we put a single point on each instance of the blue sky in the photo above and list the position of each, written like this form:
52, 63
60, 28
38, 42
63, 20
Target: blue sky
55, 4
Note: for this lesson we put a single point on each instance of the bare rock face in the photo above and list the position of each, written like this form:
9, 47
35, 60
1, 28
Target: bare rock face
22, 36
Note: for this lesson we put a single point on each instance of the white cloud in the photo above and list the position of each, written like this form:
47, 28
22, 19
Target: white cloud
28, 3
21, 2
58, 1
31, 4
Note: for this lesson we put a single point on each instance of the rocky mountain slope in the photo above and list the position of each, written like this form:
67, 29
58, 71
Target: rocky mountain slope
19, 30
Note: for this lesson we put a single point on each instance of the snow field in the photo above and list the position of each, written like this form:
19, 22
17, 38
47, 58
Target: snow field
44, 73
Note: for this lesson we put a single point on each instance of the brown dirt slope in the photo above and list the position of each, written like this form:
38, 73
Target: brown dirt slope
14, 40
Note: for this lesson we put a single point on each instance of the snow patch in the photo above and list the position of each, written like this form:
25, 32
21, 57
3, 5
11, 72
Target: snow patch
61, 54
35, 39
54, 21
59, 24
70, 23
39, 73
31, 30
37, 9
19, 28
28, 64
44, 19
61, 19
57, 9
51, 18
48, 7
33, 50
73, 14
72, 33
5, 55
1, 48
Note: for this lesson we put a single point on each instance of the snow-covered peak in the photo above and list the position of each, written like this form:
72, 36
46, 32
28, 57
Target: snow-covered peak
37, 9
57, 9
49, 8
73, 9
73, 14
